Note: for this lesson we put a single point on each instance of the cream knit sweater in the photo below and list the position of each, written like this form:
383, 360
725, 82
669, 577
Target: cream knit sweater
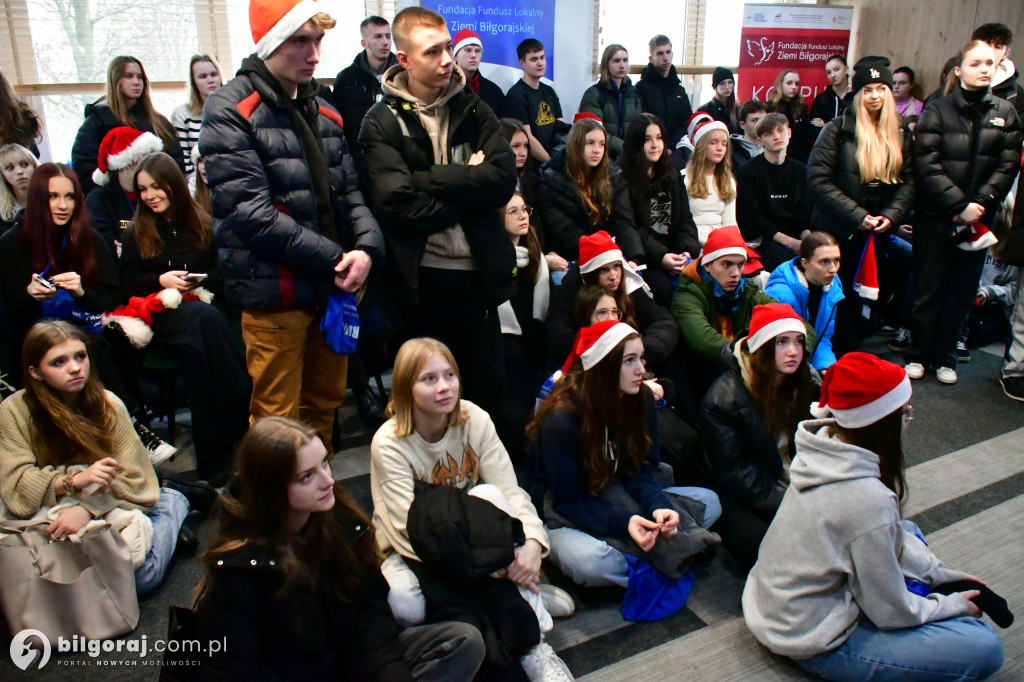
468, 454
25, 486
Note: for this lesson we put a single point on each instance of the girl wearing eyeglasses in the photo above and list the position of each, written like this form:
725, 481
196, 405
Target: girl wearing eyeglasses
522, 319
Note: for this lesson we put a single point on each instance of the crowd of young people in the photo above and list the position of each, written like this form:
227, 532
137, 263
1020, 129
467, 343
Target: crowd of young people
711, 268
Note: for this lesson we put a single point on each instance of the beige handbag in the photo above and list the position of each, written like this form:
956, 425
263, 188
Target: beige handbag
80, 586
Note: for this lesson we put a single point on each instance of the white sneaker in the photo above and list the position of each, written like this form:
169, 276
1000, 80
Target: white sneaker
915, 370
946, 375
557, 601
158, 451
542, 664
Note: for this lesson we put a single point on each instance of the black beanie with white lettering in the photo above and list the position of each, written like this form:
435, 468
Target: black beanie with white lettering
871, 69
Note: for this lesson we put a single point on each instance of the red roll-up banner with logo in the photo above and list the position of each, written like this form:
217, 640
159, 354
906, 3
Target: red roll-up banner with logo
801, 37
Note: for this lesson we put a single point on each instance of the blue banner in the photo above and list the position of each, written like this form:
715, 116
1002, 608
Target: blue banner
502, 25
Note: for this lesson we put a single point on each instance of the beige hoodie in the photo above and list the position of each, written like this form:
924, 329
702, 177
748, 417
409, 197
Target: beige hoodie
446, 249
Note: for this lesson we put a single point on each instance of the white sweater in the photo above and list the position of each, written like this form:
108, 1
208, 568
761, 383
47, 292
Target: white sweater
468, 454
711, 212
836, 549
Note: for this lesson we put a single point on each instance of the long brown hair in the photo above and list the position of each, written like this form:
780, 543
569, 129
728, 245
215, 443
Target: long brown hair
885, 439
255, 511
42, 239
605, 414
18, 122
604, 69
879, 145
183, 213
64, 432
531, 242
696, 179
123, 113
195, 100
622, 299
796, 104
782, 401
593, 185
951, 78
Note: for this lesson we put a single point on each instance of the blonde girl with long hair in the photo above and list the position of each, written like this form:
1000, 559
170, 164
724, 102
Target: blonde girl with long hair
860, 177
16, 167
710, 185
126, 102
204, 78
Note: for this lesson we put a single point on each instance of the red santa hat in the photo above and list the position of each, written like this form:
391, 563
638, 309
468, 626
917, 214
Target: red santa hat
696, 120
586, 114
771, 319
725, 241
753, 264
865, 282
593, 343
974, 237
274, 21
136, 317
466, 37
123, 147
706, 127
859, 389
598, 250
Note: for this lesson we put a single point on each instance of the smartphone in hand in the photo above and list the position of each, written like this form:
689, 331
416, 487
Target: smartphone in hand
195, 278
45, 282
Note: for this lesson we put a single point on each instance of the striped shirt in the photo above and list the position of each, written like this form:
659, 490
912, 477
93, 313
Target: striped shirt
186, 127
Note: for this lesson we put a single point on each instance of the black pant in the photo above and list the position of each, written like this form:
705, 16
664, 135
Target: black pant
945, 283
453, 308
742, 531
218, 384
660, 281
773, 254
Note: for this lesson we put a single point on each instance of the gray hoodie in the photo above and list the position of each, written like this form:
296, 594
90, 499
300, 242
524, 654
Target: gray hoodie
836, 549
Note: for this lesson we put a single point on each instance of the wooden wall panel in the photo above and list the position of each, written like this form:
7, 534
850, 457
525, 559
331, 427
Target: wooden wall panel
924, 33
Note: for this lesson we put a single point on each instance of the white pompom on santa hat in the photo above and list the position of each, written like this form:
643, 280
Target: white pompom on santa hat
121, 148
771, 319
274, 21
593, 343
860, 389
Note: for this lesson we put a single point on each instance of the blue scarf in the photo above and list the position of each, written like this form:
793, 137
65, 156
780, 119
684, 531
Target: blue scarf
728, 302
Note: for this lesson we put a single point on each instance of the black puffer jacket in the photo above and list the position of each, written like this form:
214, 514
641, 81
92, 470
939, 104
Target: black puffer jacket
966, 153
415, 197
656, 326
356, 89
833, 181
565, 219
682, 233
743, 455
309, 634
273, 253
718, 112
666, 98
99, 121
110, 210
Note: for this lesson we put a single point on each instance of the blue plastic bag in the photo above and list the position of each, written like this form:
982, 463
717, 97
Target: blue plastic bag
651, 594
340, 323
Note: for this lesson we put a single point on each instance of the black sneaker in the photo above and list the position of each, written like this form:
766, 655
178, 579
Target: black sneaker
901, 342
200, 495
1013, 387
962, 354
159, 451
188, 536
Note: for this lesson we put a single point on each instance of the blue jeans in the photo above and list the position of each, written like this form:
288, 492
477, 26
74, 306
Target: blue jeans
167, 515
949, 650
592, 562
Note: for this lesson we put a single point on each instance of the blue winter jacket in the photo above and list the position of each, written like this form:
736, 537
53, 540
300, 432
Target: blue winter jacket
787, 285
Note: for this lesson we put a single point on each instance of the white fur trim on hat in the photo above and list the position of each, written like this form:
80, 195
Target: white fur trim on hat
137, 331
471, 40
602, 259
773, 329
706, 128
286, 26
605, 344
145, 144
858, 417
706, 258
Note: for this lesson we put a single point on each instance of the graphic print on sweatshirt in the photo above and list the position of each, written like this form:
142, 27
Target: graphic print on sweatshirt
451, 472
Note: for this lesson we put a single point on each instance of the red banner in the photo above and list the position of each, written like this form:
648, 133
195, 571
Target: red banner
800, 37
